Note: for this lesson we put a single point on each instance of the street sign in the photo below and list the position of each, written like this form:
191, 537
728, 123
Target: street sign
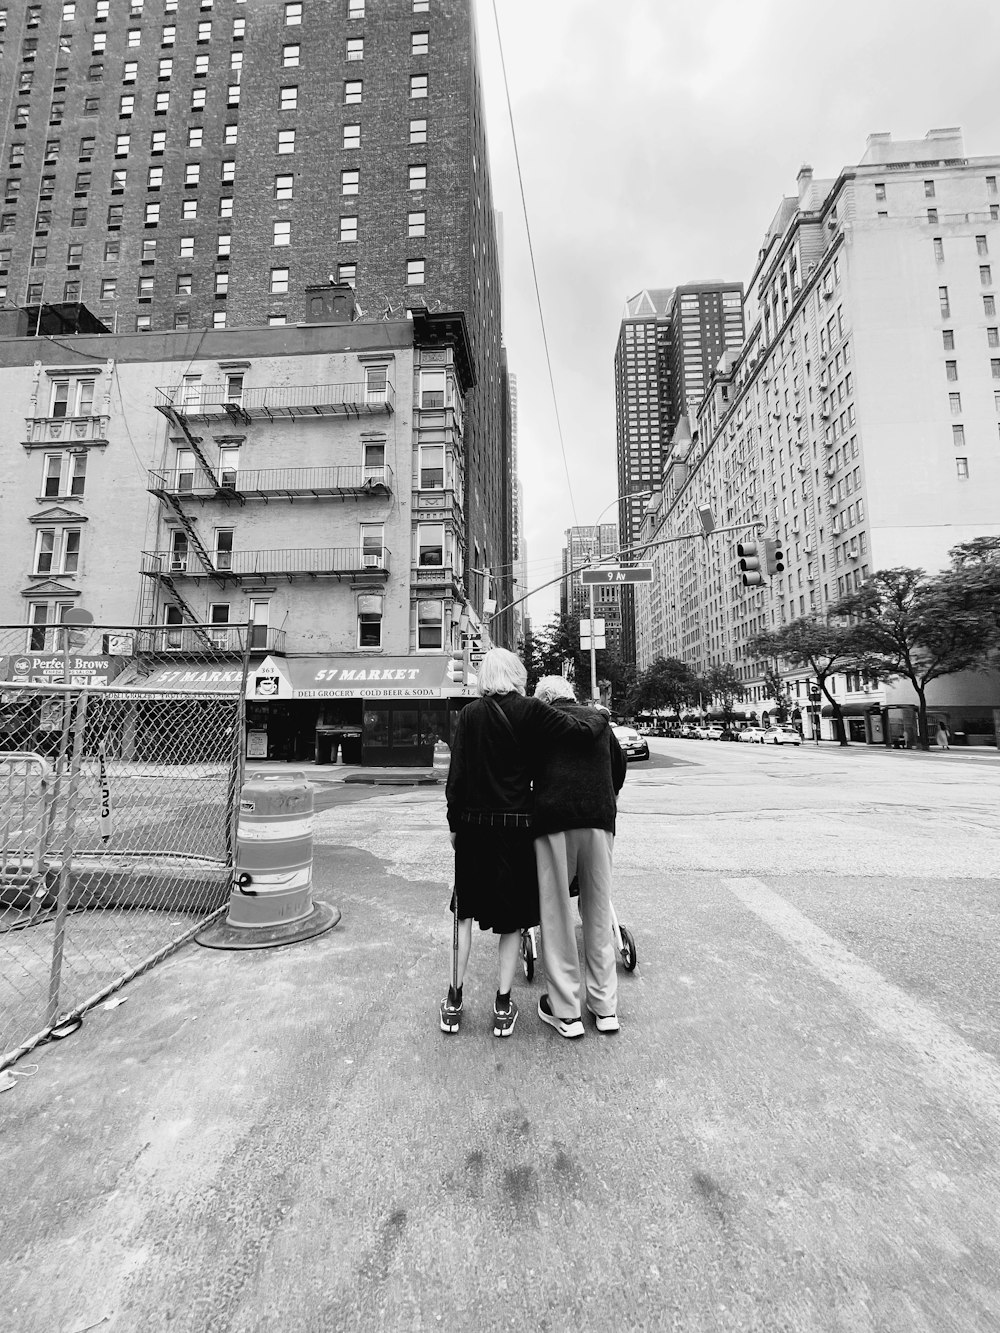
618, 574
598, 627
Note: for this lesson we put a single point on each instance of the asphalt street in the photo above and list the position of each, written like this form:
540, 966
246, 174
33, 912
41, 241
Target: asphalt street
798, 1127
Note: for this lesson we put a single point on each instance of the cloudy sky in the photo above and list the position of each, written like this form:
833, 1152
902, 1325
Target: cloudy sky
656, 139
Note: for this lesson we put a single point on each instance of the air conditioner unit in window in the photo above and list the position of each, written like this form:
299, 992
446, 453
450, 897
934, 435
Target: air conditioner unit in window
824, 382
220, 638
372, 561
808, 548
178, 564
854, 553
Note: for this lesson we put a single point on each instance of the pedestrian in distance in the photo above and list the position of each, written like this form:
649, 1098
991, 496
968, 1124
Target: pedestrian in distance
497, 747
942, 735
576, 802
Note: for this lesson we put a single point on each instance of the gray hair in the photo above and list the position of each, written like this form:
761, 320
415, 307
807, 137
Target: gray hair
501, 672
554, 687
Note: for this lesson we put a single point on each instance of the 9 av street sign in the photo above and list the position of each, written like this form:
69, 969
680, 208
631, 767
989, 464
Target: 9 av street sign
618, 574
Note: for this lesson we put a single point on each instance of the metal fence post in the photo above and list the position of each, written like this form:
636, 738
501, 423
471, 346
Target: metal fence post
62, 902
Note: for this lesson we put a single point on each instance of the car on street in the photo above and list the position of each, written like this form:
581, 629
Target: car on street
752, 735
730, 734
782, 736
633, 745
714, 733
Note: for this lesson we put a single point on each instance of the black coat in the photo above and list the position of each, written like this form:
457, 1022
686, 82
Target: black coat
575, 787
492, 765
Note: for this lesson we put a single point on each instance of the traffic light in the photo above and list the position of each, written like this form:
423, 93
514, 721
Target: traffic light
774, 556
749, 565
456, 670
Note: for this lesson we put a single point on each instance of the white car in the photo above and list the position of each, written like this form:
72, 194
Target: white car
633, 745
782, 736
713, 733
752, 735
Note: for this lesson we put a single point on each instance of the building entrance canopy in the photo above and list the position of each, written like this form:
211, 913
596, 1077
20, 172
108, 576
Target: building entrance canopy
351, 678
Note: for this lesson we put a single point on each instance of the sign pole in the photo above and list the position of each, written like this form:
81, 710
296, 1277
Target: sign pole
594, 695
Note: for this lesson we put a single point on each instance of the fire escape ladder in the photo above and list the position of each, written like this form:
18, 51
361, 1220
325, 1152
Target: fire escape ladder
197, 545
186, 610
194, 444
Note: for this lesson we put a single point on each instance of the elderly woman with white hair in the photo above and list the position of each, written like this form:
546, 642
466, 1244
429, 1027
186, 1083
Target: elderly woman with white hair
498, 743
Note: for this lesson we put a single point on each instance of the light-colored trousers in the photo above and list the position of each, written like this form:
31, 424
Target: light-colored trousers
585, 853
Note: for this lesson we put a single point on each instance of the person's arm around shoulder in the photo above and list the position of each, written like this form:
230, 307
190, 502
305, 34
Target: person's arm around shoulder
455, 785
579, 723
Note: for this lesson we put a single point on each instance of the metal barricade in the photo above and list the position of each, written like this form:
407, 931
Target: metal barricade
25, 802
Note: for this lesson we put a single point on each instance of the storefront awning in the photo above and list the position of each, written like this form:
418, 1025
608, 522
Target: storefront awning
352, 678
853, 709
183, 676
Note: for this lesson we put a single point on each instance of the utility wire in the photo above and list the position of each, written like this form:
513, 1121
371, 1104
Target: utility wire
534, 271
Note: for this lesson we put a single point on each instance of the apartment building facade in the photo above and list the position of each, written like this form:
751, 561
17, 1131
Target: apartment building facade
860, 422
201, 165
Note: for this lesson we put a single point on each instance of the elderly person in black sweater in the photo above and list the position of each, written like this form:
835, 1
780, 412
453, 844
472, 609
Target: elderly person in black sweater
574, 827
500, 741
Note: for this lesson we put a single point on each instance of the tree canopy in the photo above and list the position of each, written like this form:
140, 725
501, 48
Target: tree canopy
825, 647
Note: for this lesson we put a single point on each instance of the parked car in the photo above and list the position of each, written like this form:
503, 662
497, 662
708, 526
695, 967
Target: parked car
730, 734
714, 733
752, 735
782, 736
633, 745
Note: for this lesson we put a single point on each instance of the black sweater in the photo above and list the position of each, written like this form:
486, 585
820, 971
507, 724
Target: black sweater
492, 769
575, 787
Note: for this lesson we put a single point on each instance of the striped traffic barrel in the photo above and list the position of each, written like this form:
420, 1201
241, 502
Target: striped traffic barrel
274, 853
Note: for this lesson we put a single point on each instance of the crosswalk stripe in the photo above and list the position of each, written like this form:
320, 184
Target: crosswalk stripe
945, 1059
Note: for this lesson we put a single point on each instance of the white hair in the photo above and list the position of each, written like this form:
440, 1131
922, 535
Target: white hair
554, 687
501, 672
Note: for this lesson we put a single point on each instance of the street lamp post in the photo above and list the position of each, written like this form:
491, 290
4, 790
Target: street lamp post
595, 693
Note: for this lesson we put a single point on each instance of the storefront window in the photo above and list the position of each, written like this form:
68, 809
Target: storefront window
405, 728
376, 726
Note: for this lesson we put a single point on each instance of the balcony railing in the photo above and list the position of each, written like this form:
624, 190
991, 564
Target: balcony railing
194, 641
208, 402
271, 482
43, 432
333, 561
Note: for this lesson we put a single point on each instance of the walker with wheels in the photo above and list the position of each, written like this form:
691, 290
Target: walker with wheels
624, 943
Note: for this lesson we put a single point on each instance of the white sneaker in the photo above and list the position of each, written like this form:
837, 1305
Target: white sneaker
606, 1022
566, 1027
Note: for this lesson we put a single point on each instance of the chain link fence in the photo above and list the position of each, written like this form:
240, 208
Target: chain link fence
120, 769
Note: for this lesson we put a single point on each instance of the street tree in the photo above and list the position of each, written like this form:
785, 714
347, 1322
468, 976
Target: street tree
825, 647
558, 643
724, 684
922, 627
666, 684
776, 689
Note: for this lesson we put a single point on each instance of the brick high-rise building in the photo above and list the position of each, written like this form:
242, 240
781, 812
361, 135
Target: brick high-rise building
179, 165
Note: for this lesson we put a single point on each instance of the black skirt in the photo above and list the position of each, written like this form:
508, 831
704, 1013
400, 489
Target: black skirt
495, 877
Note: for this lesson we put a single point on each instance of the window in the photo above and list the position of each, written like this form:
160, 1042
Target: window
218, 319
74, 255
293, 13
944, 302
421, 6
348, 229
57, 551
239, 29
65, 474
154, 178
39, 256
347, 273
233, 95
372, 540
289, 98
416, 224
195, 136
183, 284
414, 273
958, 436
352, 91
275, 320
286, 141
198, 96
189, 210
130, 71
148, 251
432, 387
948, 339
201, 67
222, 247
418, 131
991, 185
279, 279
879, 192
166, 68
229, 458
126, 104
161, 104
370, 620
419, 43
993, 337
430, 624
373, 460
349, 182
69, 12
83, 180
355, 9
157, 142
995, 368
228, 171
431, 467
932, 215
981, 246
112, 249
192, 173
989, 306
355, 48
122, 143
152, 214
962, 469
282, 234
376, 381
134, 37
168, 34
939, 249
71, 290
290, 56
78, 217
205, 31
283, 186
955, 404
985, 275
352, 136
41, 614
230, 134
928, 189
178, 551
145, 289
226, 206
418, 85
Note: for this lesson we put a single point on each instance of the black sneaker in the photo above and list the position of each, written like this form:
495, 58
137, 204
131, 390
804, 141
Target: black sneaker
504, 1019
451, 1012
566, 1027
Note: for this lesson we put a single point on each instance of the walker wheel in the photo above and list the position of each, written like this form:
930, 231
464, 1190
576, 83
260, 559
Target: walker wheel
629, 956
527, 954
